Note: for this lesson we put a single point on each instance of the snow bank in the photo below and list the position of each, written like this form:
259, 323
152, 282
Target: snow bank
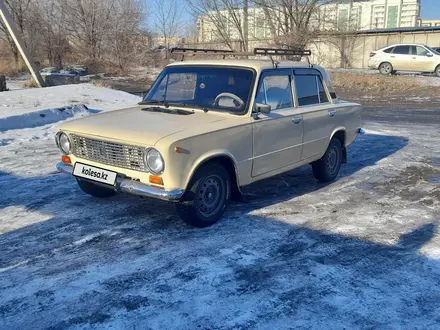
19, 102
44, 117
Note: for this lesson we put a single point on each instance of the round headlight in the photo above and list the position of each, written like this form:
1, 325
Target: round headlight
154, 161
63, 143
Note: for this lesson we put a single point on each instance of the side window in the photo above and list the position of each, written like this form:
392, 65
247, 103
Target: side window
276, 91
388, 50
419, 51
307, 89
402, 50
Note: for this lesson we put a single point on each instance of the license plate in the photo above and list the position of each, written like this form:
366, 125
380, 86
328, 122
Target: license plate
94, 173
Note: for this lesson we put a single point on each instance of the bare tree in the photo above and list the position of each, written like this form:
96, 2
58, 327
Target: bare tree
126, 27
227, 20
19, 10
169, 19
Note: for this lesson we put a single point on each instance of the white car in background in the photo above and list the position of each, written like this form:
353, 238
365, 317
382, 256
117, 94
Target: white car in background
405, 57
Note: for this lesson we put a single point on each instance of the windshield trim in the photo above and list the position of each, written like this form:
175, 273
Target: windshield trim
237, 113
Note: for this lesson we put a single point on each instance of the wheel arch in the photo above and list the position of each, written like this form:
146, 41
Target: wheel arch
225, 159
341, 134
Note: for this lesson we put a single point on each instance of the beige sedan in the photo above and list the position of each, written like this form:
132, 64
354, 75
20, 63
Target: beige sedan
405, 57
208, 128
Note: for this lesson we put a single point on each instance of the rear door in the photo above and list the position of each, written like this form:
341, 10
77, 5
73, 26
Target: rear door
318, 113
400, 58
277, 136
420, 61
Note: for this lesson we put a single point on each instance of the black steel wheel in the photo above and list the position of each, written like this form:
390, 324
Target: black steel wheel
327, 168
207, 196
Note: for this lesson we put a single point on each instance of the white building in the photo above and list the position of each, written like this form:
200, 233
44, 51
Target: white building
355, 15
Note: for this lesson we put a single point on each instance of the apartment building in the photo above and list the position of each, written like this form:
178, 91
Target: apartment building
350, 14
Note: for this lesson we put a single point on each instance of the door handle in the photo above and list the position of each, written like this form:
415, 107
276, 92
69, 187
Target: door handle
297, 119
392, 56
332, 113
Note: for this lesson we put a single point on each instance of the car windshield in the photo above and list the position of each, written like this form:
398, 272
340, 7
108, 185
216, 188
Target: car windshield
203, 87
433, 50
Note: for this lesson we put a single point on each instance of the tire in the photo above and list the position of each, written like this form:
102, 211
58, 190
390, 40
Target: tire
386, 68
95, 190
437, 71
327, 168
207, 196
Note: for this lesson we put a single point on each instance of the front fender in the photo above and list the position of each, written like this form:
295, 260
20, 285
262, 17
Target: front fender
212, 154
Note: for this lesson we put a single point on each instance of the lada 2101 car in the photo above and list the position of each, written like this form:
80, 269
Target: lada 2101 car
208, 128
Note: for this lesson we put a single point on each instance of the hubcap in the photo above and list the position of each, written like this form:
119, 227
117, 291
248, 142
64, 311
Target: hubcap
210, 195
386, 68
332, 161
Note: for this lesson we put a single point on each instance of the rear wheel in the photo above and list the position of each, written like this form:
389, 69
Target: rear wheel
94, 189
386, 68
327, 168
437, 71
207, 196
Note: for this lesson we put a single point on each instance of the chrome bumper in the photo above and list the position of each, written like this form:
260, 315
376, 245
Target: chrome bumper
134, 187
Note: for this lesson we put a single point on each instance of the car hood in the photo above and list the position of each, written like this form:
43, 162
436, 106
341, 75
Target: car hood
139, 126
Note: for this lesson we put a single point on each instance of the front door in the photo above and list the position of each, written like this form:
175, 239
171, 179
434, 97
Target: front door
277, 137
420, 61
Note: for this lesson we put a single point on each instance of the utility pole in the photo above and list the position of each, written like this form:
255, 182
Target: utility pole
246, 25
13, 31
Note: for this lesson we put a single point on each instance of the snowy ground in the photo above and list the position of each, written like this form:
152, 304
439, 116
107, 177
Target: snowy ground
360, 253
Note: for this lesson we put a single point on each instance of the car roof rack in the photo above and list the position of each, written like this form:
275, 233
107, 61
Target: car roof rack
257, 52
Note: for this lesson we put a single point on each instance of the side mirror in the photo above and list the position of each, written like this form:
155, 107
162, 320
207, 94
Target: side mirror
430, 54
264, 108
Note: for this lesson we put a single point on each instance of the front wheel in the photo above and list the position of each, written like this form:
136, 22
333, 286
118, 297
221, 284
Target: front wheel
207, 197
327, 168
437, 71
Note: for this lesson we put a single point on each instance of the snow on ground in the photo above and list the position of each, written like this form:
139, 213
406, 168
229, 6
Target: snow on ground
19, 102
360, 253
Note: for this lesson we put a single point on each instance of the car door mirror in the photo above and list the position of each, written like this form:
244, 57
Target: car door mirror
430, 54
264, 108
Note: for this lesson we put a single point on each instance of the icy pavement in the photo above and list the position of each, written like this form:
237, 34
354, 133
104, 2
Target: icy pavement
360, 253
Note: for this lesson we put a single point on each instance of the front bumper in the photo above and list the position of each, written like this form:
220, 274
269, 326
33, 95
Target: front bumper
134, 187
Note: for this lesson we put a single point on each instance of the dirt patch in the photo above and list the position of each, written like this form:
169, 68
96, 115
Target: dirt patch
399, 91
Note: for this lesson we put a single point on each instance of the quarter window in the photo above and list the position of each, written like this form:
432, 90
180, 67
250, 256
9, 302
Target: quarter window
388, 50
276, 91
402, 50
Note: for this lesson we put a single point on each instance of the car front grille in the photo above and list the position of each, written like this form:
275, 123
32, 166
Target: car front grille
109, 153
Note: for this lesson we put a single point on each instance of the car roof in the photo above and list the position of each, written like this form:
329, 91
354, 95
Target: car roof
257, 65
404, 44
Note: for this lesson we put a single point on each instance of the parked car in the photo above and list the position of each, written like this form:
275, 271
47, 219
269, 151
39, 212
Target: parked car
405, 57
209, 127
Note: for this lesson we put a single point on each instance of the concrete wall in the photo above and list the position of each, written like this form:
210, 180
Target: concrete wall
326, 50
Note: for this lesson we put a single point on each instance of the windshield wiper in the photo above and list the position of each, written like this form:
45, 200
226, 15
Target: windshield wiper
167, 110
189, 105
164, 103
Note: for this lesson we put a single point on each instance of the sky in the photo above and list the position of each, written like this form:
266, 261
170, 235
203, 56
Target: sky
430, 9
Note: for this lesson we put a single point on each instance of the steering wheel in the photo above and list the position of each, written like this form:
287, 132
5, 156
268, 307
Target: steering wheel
238, 102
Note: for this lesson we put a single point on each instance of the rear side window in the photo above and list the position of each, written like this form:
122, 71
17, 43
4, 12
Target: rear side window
403, 50
388, 50
310, 90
